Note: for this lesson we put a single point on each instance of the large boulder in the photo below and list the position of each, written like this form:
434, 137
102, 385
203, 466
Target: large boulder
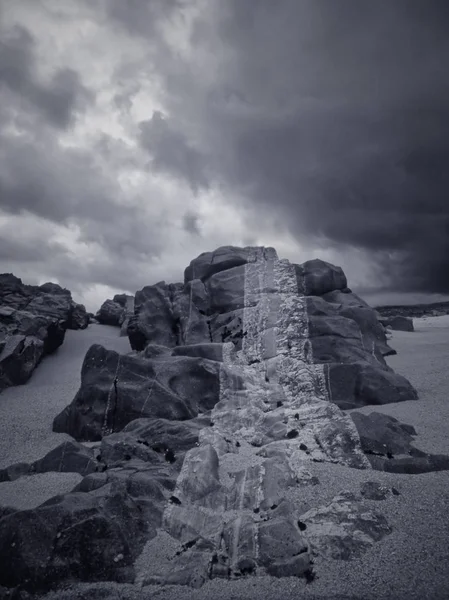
110, 313
90, 537
209, 263
154, 317
317, 277
79, 318
19, 356
117, 389
68, 457
24, 339
387, 444
398, 323
116, 312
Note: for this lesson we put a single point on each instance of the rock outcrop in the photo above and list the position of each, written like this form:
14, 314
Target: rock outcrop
209, 431
342, 331
47, 300
116, 312
387, 444
398, 323
33, 321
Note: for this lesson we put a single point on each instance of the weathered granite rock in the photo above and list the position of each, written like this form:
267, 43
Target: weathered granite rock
24, 339
52, 300
33, 321
116, 389
68, 457
317, 277
387, 444
116, 312
96, 532
19, 356
153, 317
373, 490
398, 323
90, 537
343, 529
343, 332
110, 313
208, 428
209, 263
79, 318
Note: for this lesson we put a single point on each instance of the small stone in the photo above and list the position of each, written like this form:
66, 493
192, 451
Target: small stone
373, 490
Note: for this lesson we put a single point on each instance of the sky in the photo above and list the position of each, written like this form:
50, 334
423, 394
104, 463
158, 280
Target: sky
136, 134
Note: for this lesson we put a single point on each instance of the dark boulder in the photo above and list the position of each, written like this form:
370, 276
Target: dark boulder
387, 444
24, 339
121, 299
153, 320
398, 323
19, 356
116, 389
79, 318
87, 537
116, 312
373, 490
33, 321
361, 383
317, 277
68, 457
209, 263
110, 313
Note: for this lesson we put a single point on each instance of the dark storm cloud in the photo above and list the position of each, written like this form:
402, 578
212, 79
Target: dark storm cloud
16, 250
190, 223
66, 186
327, 118
336, 115
141, 16
49, 181
171, 151
28, 257
58, 99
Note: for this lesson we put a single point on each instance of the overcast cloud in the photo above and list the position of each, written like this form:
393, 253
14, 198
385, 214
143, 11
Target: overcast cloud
136, 134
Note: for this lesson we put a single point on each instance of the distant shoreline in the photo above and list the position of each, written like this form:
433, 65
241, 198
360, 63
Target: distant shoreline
414, 310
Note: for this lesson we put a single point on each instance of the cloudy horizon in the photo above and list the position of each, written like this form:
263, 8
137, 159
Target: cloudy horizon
136, 134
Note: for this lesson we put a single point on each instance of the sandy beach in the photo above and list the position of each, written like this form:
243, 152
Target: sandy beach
412, 563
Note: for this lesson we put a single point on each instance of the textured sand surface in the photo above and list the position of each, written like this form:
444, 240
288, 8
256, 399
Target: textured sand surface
27, 413
410, 564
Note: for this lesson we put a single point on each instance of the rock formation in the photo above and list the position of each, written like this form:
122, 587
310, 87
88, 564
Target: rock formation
116, 312
33, 321
209, 430
397, 323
